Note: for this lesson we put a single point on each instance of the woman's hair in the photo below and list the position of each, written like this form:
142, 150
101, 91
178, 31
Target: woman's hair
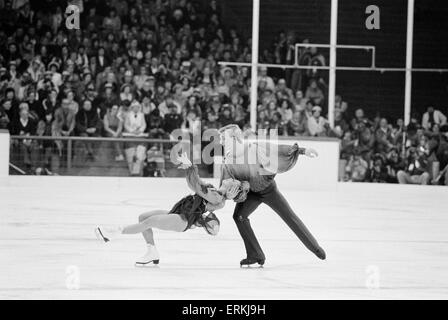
242, 194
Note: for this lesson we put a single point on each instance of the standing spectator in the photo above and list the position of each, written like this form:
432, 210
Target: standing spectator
113, 127
88, 124
49, 155
135, 126
27, 148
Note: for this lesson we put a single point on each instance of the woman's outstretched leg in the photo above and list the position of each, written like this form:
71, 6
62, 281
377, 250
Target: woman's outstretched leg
162, 221
148, 234
159, 219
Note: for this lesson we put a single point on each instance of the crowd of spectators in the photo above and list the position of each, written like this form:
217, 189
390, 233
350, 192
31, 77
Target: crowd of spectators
143, 68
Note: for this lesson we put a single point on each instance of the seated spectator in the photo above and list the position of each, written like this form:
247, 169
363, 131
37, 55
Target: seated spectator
88, 124
359, 118
299, 101
225, 117
192, 123
314, 93
72, 104
431, 117
284, 90
348, 145
340, 104
113, 127
366, 139
317, 123
135, 126
394, 164
378, 172
173, 120
166, 105
277, 124
263, 77
415, 171
340, 125
263, 120
155, 125
383, 137
126, 93
442, 157
357, 168
285, 110
211, 122
4, 119
298, 125
64, 120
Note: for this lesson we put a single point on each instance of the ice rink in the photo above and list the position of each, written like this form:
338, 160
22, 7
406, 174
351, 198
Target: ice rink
382, 242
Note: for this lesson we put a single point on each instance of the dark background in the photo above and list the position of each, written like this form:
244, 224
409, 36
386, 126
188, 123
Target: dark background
373, 91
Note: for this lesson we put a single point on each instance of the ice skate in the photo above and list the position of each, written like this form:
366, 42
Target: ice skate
249, 262
150, 258
106, 234
320, 253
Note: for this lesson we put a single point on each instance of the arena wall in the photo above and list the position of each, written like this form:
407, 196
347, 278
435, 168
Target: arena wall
4, 153
316, 173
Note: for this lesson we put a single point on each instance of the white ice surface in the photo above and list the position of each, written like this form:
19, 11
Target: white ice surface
46, 226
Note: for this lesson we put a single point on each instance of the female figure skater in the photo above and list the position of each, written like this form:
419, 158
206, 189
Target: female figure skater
188, 213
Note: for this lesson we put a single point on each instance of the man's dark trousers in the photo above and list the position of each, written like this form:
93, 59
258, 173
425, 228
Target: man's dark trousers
274, 199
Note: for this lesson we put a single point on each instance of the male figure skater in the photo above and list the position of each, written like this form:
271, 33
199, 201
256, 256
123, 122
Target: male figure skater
263, 188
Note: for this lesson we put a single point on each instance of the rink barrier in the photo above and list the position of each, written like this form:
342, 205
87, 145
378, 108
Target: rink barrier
309, 173
4, 153
70, 140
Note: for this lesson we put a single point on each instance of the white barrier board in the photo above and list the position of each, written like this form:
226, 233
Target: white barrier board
309, 173
4, 153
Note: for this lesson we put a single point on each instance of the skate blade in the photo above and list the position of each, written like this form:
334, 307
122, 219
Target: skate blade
99, 235
251, 266
150, 264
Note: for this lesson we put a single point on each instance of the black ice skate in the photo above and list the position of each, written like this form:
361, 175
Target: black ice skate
248, 262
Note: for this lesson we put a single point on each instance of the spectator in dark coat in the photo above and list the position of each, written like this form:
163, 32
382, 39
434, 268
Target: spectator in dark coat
173, 120
88, 124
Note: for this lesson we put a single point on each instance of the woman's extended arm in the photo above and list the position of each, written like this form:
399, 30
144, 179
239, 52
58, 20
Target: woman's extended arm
205, 190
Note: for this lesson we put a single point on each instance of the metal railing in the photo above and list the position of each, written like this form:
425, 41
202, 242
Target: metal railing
373, 66
71, 139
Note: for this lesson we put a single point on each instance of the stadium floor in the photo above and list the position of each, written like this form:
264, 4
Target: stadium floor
388, 236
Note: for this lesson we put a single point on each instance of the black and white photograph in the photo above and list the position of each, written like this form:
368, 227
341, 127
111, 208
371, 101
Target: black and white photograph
223, 154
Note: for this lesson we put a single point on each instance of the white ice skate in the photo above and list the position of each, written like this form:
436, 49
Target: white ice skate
151, 257
106, 234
